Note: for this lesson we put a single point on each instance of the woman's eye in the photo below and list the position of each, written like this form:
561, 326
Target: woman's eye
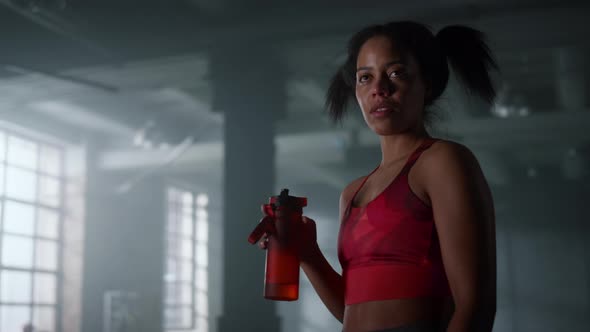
396, 73
363, 78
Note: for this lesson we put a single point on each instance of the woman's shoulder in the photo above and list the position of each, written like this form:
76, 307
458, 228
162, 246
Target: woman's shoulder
446, 155
447, 149
352, 187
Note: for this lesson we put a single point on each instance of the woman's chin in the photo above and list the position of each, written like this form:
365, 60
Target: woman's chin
396, 128
387, 130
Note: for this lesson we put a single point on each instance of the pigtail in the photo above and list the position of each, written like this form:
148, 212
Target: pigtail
339, 94
470, 58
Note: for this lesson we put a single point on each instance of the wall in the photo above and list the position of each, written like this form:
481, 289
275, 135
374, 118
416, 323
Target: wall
123, 246
543, 260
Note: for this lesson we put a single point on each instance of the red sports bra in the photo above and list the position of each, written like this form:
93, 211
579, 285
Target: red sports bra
389, 249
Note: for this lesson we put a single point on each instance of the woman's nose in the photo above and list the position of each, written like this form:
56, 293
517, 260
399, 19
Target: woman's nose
383, 87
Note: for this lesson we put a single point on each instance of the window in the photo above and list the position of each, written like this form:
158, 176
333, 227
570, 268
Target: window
185, 278
31, 183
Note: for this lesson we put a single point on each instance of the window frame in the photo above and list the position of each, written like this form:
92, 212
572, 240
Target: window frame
175, 209
37, 205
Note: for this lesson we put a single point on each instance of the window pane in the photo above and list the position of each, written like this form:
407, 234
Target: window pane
172, 220
173, 244
187, 248
169, 318
49, 191
202, 259
46, 255
187, 225
177, 270
2, 169
13, 318
16, 286
17, 251
47, 223
202, 324
178, 293
186, 294
44, 319
178, 317
22, 152
19, 218
202, 214
186, 271
170, 269
202, 200
202, 305
202, 231
21, 184
187, 202
50, 160
201, 279
171, 293
2, 146
45, 288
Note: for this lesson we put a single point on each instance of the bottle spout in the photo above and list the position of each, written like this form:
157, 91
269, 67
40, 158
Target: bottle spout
266, 225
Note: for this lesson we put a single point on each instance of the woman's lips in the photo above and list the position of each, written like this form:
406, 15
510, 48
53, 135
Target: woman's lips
382, 111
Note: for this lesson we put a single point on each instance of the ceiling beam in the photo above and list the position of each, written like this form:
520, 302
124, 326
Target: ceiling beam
42, 124
492, 140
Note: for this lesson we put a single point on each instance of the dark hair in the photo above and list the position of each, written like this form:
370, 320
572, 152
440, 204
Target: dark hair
463, 47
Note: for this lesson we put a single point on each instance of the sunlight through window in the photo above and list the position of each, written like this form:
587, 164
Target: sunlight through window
30, 215
186, 298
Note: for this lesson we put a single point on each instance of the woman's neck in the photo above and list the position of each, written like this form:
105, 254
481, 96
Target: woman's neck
398, 147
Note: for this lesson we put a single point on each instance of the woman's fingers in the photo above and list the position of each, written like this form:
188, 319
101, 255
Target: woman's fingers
263, 243
309, 230
307, 220
309, 233
308, 223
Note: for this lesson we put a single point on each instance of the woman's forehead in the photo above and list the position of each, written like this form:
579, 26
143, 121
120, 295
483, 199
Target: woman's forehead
381, 48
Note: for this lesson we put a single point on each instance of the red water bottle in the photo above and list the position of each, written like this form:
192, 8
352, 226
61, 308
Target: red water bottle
283, 224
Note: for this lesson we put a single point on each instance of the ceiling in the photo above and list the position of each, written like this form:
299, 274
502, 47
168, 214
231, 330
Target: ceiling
110, 69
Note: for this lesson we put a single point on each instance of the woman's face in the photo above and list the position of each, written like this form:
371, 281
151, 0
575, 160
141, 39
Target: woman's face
389, 88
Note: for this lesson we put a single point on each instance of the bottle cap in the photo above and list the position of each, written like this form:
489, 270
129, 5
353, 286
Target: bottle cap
284, 200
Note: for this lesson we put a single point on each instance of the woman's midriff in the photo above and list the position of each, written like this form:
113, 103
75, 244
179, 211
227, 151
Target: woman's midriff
377, 315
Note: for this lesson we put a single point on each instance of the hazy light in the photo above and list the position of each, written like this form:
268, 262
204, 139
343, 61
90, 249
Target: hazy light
202, 200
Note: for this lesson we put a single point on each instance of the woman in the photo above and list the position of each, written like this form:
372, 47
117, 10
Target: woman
417, 240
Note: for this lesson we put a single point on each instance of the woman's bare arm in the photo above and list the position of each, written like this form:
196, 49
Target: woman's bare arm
464, 218
328, 283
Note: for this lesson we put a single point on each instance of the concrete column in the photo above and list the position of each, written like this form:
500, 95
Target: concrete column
249, 88
570, 78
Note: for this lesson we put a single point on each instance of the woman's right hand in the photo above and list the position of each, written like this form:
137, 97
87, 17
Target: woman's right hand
309, 247
308, 240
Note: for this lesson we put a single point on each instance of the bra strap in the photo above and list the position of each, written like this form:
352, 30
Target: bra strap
418, 152
411, 160
359, 189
